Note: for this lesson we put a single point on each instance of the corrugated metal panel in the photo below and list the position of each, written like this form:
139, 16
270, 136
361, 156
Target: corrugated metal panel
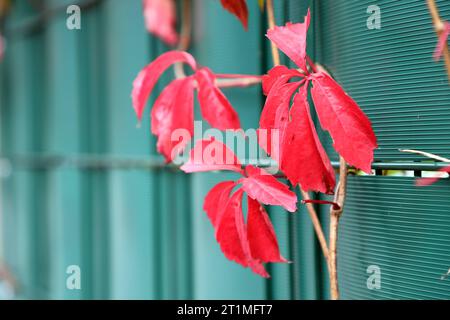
403, 229
390, 72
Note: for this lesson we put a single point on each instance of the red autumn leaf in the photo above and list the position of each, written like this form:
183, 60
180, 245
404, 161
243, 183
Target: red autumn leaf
268, 190
275, 75
423, 182
2, 47
275, 115
353, 137
304, 161
238, 8
217, 199
443, 38
261, 235
176, 98
211, 155
291, 39
231, 234
147, 78
160, 19
216, 109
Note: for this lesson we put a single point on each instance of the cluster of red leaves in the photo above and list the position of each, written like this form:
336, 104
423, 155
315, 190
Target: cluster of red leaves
350, 129
250, 243
301, 156
174, 108
161, 17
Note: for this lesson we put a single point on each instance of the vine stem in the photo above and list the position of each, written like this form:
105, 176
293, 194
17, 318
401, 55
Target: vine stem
184, 43
271, 21
317, 226
335, 215
439, 28
425, 154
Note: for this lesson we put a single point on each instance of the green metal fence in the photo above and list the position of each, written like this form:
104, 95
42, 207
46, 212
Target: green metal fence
81, 185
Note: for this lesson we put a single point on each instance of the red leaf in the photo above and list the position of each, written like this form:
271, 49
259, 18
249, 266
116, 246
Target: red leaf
2, 47
211, 155
275, 115
177, 98
443, 37
291, 39
349, 127
268, 190
232, 235
147, 78
423, 182
160, 19
275, 74
261, 235
254, 171
216, 109
302, 146
216, 200
238, 8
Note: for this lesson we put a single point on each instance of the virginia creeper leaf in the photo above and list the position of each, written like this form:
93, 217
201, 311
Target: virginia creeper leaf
160, 19
232, 235
147, 78
211, 155
291, 39
2, 47
216, 109
175, 100
275, 74
304, 161
443, 38
261, 235
275, 115
353, 137
423, 182
268, 190
217, 199
238, 8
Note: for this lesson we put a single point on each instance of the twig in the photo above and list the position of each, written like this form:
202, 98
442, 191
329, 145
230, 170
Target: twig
316, 223
439, 28
271, 21
425, 154
335, 215
185, 36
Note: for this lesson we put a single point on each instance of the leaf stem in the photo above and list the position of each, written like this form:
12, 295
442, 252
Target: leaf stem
271, 22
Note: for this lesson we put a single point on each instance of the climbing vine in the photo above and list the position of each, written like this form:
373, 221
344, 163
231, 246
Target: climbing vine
286, 132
